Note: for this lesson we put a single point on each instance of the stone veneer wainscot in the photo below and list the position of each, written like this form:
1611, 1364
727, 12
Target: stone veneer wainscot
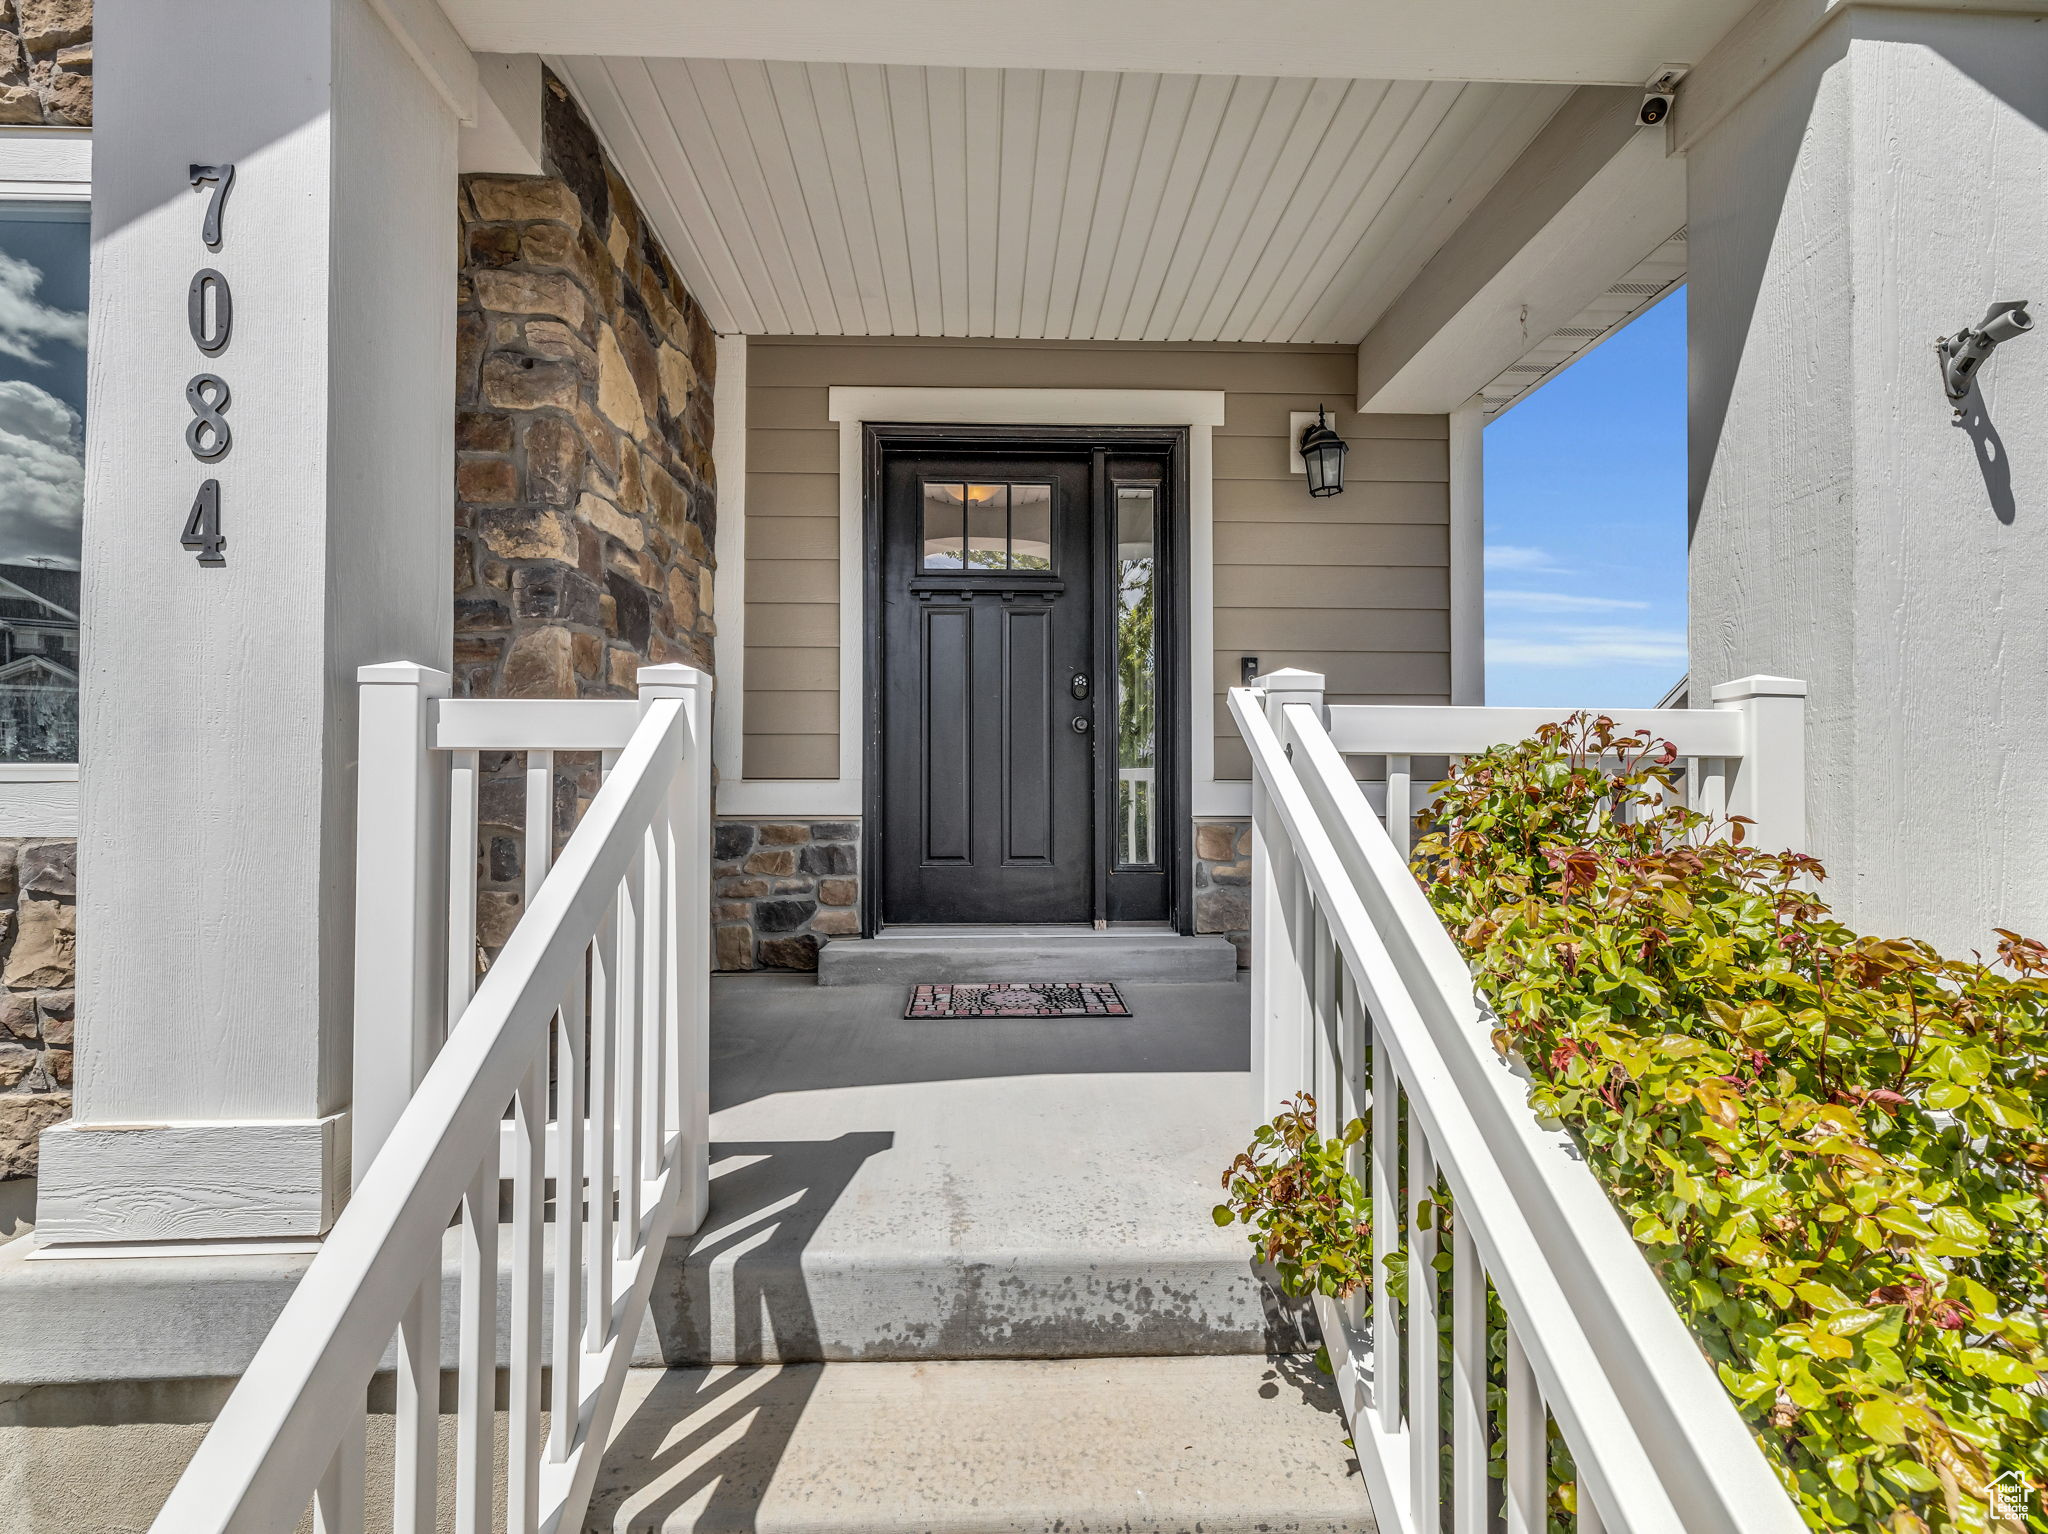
781, 887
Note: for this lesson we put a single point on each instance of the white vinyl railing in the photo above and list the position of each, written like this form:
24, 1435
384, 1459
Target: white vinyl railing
1360, 996
590, 1027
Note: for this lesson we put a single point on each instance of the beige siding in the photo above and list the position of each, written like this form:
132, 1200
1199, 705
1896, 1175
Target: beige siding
1355, 586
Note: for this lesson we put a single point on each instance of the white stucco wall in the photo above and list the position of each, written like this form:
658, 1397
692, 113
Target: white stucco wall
1877, 190
217, 776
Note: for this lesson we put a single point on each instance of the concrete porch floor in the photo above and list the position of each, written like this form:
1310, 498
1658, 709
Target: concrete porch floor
890, 1189
961, 1275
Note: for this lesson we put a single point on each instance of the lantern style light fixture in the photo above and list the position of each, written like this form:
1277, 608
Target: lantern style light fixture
1322, 453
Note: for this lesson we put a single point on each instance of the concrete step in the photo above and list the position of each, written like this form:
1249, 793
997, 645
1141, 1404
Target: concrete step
1158, 1444
888, 1189
929, 955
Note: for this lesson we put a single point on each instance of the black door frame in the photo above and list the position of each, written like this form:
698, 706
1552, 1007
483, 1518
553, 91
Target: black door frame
1174, 744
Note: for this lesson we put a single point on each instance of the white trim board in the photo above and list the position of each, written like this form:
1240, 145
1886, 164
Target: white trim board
852, 408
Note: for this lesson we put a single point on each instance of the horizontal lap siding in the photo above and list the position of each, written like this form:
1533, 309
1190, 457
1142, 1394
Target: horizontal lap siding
1355, 586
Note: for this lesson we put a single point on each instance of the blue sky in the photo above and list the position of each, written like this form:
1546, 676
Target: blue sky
1585, 527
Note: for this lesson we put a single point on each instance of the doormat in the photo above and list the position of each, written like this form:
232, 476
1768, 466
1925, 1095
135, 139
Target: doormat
1018, 998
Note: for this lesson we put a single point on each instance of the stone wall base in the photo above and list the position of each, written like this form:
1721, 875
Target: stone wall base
781, 887
1223, 883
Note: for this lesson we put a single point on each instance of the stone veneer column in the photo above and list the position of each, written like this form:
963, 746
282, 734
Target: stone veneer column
585, 509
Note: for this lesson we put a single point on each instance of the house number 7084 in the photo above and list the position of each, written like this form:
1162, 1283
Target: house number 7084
210, 315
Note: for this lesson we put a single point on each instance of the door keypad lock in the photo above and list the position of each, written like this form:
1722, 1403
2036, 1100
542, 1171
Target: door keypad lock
1078, 686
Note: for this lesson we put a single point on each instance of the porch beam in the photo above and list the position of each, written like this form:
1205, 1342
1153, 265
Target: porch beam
1588, 200
1570, 42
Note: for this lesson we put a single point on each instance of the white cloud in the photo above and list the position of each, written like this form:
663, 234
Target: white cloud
1589, 645
26, 322
1561, 602
42, 476
1509, 556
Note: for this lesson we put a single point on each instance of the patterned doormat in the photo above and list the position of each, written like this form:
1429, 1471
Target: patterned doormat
1018, 998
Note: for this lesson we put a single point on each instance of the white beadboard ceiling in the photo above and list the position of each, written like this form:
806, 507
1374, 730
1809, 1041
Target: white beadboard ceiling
864, 199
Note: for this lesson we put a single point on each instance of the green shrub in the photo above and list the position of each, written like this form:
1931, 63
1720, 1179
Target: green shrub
1829, 1146
1312, 1221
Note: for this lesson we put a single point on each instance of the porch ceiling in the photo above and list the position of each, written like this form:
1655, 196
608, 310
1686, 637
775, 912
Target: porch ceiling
830, 198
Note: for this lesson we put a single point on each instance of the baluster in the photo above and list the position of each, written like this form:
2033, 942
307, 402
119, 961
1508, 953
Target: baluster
1307, 1041
462, 792
1528, 1459
338, 1499
655, 935
1354, 1089
1589, 1519
1468, 1380
1425, 1437
1323, 1012
1353, 1082
477, 1352
569, 1133
604, 1032
632, 934
416, 1429
1400, 809
523, 1442
1386, 1219
529, 1177
1714, 787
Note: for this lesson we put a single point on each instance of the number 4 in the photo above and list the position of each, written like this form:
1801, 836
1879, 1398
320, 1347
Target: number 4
202, 528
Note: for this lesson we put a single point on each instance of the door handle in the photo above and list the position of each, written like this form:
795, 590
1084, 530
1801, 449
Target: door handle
1080, 725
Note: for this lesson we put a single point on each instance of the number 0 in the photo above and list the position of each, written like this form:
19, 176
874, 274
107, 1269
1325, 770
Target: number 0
210, 323
202, 529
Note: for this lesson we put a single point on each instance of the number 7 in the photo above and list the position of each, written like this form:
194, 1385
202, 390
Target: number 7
222, 177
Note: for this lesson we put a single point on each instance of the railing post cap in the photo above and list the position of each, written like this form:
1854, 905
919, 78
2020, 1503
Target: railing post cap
401, 673
1290, 679
669, 677
1747, 687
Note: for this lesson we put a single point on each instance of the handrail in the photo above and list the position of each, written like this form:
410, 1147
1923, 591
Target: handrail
1372, 999
293, 1429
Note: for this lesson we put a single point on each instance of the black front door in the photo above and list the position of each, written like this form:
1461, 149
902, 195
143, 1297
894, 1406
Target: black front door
989, 697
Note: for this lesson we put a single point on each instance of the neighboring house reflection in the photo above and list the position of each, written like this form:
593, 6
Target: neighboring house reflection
38, 664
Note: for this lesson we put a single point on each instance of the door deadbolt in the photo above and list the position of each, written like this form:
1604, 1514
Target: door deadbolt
1080, 725
1078, 686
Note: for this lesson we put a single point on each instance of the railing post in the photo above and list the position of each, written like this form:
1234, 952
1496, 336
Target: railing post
401, 873
687, 985
1281, 1057
1769, 783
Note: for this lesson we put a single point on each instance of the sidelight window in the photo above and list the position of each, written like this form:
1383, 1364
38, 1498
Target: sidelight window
1137, 676
987, 527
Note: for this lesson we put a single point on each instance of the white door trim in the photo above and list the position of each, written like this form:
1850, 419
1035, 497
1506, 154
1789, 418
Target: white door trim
852, 408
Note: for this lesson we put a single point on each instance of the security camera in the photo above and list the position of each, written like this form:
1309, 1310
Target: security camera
1967, 350
1659, 92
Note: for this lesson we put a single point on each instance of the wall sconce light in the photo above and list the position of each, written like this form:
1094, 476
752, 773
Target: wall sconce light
1320, 453
1967, 350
